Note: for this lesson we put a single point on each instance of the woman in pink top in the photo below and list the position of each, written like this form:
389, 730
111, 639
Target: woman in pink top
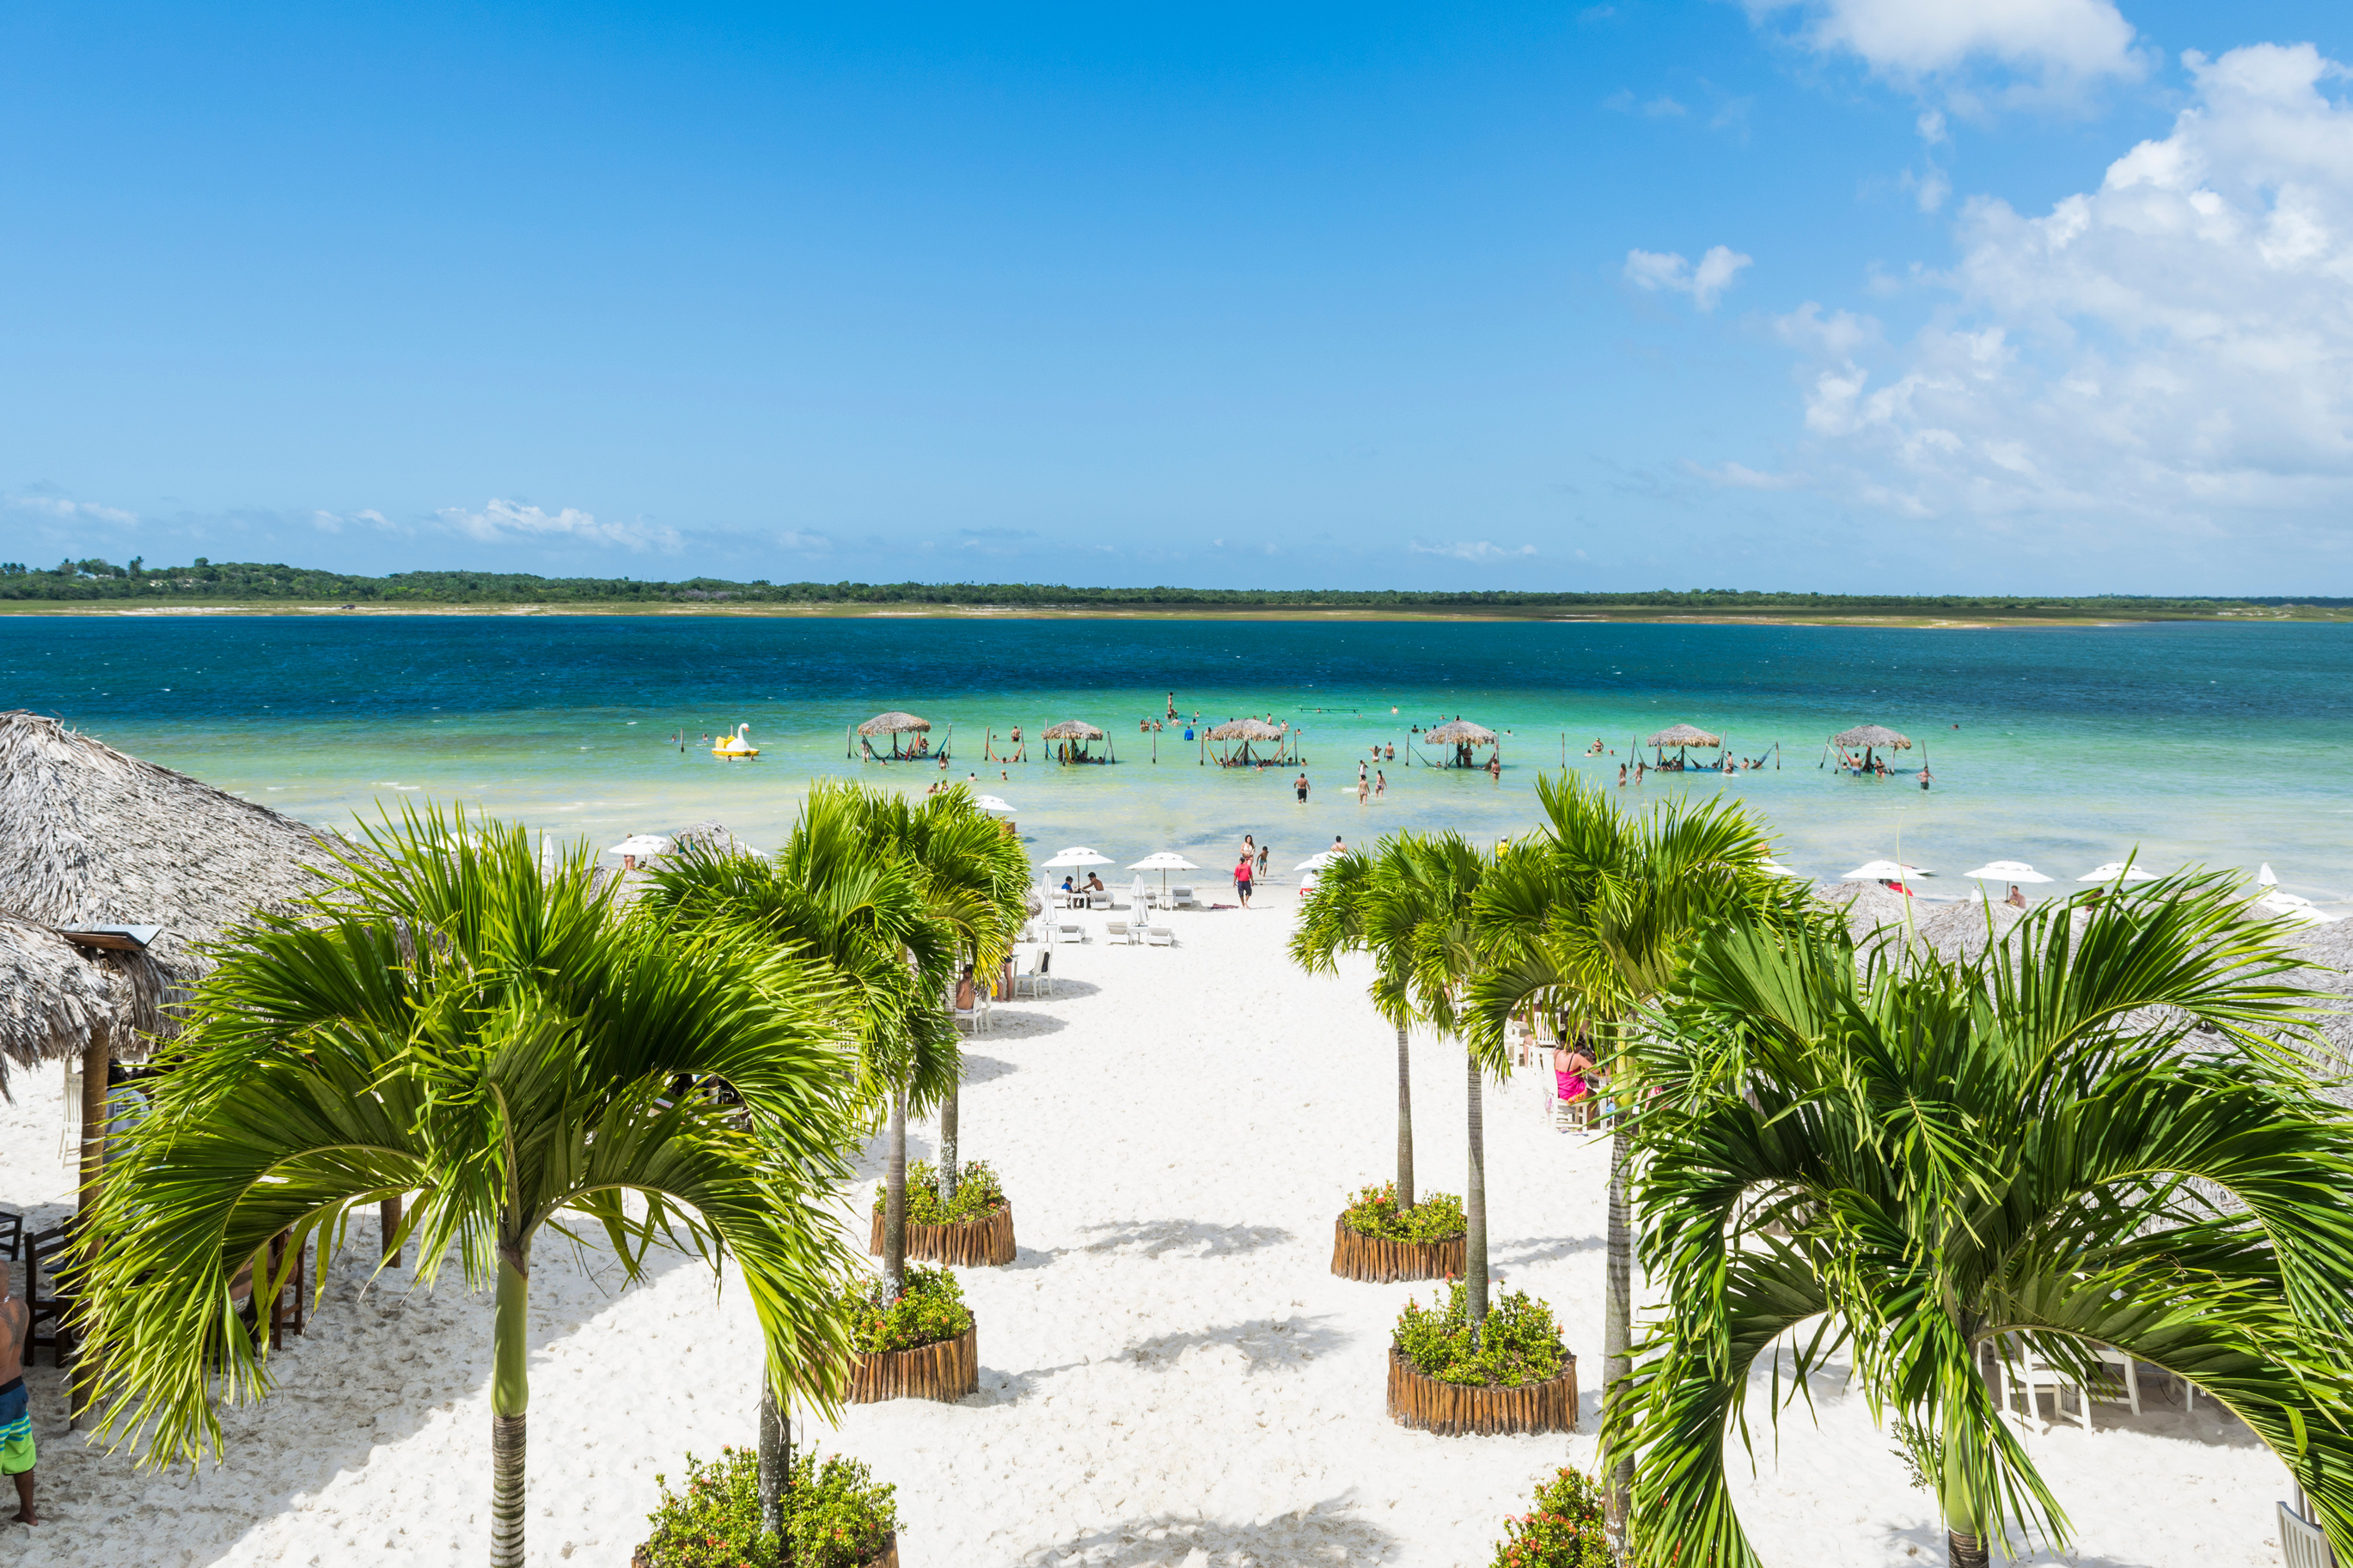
1571, 1065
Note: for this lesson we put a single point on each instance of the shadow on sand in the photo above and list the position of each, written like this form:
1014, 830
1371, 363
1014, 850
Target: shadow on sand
1332, 1532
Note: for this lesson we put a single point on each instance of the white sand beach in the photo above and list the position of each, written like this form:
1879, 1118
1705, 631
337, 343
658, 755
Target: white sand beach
1170, 1374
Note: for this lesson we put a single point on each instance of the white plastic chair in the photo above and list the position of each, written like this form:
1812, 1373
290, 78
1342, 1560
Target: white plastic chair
2034, 1372
1119, 931
1160, 936
1181, 898
1070, 930
2302, 1544
1035, 978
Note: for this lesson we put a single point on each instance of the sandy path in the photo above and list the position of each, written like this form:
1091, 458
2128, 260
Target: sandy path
1168, 1369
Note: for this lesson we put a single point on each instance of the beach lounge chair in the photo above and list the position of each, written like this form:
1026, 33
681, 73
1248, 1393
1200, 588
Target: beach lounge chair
1098, 900
1160, 936
1118, 931
1182, 898
1070, 930
2035, 1371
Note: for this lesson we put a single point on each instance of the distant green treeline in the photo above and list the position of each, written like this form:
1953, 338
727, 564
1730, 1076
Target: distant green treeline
245, 581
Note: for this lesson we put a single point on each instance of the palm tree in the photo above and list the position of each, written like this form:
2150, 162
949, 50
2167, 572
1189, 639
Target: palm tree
1589, 920
1331, 921
1409, 904
840, 897
456, 1021
2097, 1134
973, 878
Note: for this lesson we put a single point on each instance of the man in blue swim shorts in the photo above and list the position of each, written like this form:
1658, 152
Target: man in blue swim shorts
17, 1456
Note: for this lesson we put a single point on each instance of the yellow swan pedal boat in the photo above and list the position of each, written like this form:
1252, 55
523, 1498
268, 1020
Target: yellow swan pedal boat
737, 746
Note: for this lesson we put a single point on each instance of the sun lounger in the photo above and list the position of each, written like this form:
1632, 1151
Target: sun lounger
1160, 936
1098, 900
1119, 931
1181, 898
1070, 930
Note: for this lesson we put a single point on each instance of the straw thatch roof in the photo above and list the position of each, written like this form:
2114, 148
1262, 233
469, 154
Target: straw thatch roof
1074, 730
1684, 735
1246, 730
1457, 732
91, 837
1878, 735
892, 723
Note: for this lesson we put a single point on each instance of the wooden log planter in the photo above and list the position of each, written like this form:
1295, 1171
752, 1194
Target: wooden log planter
982, 1243
1355, 1255
946, 1371
886, 1558
1454, 1410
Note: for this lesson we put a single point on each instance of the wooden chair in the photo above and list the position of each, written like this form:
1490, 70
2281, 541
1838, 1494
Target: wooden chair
281, 1310
48, 1324
12, 1232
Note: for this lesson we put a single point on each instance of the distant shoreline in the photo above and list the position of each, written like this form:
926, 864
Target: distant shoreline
1630, 615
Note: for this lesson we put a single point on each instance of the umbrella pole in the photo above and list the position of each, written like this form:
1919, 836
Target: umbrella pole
95, 1057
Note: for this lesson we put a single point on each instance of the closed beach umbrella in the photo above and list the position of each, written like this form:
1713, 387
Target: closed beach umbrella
2117, 869
2006, 871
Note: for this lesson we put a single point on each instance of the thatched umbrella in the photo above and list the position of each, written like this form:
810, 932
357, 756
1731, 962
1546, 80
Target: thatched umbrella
1869, 737
1073, 734
90, 838
1684, 735
1249, 732
1459, 734
894, 723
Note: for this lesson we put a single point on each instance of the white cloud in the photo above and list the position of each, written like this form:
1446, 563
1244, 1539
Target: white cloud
64, 511
2052, 50
2175, 347
1740, 476
1472, 549
506, 521
1668, 270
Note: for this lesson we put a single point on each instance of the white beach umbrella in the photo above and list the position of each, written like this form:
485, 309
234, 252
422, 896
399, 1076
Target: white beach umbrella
2115, 869
638, 846
2264, 878
1078, 854
2006, 871
991, 803
1317, 861
1165, 861
1779, 869
1136, 896
1884, 871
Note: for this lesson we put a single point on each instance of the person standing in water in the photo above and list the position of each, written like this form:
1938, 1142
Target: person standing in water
1302, 787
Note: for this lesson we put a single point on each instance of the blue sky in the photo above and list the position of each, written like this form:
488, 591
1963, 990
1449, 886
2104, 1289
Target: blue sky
1855, 295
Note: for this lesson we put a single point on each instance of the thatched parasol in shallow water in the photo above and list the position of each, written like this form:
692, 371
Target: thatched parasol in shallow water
1074, 730
894, 723
1460, 733
1246, 730
1871, 736
1684, 735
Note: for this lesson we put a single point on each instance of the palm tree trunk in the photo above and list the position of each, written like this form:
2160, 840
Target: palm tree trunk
509, 1398
894, 1200
1618, 1323
948, 1174
1964, 1551
1958, 1499
1475, 1203
1405, 1125
772, 1460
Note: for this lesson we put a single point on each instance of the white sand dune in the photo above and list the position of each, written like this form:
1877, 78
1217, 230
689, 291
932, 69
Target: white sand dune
1170, 1374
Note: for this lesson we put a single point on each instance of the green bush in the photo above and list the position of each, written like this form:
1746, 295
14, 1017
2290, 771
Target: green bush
1518, 1344
1561, 1530
835, 1513
977, 1196
1374, 1212
931, 1309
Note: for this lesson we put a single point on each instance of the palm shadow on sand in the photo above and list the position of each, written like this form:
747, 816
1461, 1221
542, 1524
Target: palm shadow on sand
1331, 1532
1264, 1343
1160, 1238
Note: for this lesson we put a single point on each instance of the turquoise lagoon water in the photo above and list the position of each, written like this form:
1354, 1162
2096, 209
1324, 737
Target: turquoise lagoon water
2224, 745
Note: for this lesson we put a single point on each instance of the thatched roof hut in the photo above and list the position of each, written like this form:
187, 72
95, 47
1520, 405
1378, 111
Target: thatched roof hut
89, 836
892, 723
1074, 730
1871, 735
1246, 730
1684, 735
1461, 731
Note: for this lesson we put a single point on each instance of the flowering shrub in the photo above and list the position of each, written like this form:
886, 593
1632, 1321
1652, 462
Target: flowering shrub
977, 1196
834, 1512
1561, 1530
1374, 1212
931, 1309
1519, 1344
